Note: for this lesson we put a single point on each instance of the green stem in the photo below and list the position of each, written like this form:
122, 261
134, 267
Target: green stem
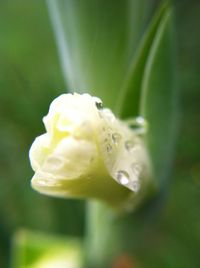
112, 236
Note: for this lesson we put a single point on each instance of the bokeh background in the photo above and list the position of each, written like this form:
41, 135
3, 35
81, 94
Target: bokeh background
30, 78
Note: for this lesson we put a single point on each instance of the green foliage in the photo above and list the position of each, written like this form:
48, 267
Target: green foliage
37, 250
97, 41
29, 79
158, 103
129, 102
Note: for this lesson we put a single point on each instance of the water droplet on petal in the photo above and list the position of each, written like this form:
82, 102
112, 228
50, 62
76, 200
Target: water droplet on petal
139, 124
99, 105
116, 137
129, 145
123, 177
140, 120
136, 168
134, 186
108, 148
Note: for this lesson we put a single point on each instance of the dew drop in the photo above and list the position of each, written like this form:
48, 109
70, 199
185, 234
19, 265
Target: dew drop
129, 145
123, 177
136, 168
134, 186
139, 124
140, 120
116, 137
99, 105
108, 148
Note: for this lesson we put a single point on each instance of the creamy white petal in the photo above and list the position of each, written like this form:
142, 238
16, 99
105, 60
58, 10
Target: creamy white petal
85, 140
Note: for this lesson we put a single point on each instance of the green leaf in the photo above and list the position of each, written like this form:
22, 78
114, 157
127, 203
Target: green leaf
38, 250
97, 40
149, 89
103, 51
158, 97
128, 104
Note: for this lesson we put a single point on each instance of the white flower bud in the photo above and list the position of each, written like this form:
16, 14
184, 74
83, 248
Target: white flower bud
87, 152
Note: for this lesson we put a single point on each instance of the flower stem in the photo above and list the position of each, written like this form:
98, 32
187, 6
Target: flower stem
112, 236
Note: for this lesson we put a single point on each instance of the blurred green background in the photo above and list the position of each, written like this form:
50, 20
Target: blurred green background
30, 78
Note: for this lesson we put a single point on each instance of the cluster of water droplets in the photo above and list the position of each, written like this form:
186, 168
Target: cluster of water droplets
129, 174
122, 154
